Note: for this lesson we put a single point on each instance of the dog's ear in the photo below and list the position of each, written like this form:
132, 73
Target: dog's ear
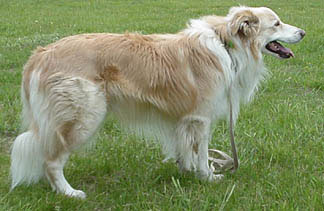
243, 22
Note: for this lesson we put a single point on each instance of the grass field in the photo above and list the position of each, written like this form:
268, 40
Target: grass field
280, 135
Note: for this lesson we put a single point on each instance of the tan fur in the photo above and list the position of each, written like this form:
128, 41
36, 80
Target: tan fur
144, 68
220, 27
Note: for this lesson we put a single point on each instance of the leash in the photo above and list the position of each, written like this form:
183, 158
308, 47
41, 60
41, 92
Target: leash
231, 130
231, 126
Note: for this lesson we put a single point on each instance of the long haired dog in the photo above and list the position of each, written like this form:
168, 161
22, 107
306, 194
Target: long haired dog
171, 86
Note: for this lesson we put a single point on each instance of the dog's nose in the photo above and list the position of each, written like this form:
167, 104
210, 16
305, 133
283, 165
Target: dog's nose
302, 33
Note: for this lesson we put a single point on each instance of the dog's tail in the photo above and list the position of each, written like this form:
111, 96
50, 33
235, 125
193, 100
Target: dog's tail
27, 159
27, 154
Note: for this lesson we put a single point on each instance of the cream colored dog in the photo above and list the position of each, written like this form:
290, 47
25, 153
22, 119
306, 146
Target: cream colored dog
171, 86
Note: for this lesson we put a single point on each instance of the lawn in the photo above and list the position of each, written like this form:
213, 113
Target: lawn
280, 135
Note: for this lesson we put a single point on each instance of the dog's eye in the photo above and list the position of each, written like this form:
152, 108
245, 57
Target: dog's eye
277, 23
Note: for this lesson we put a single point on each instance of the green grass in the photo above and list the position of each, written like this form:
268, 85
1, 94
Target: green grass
280, 135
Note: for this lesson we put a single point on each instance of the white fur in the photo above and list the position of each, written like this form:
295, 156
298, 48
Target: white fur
27, 160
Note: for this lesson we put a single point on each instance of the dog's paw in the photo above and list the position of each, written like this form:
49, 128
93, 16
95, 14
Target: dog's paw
76, 194
218, 177
214, 177
210, 176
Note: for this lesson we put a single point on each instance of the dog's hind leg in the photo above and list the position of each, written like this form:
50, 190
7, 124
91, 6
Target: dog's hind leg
193, 134
78, 107
54, 174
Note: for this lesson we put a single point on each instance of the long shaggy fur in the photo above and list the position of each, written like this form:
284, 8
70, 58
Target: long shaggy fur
171, 87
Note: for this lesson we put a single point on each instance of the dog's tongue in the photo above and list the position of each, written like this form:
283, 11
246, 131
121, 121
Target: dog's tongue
280, 50
285, 51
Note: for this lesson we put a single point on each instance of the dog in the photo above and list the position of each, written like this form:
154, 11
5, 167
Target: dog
172, 87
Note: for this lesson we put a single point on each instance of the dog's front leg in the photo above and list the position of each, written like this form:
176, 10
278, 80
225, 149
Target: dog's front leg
205, 171
192, 147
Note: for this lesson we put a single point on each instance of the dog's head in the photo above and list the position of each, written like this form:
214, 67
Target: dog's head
265, 27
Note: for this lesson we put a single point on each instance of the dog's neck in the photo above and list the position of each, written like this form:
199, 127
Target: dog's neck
249, 69
242, 61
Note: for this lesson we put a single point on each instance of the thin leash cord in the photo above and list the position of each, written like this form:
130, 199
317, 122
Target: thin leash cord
234, 152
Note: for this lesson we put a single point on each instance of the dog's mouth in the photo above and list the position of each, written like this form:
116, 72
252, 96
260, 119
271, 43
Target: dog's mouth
280, 50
